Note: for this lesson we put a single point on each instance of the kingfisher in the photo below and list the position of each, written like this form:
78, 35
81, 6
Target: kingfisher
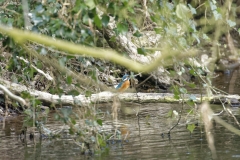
124, 84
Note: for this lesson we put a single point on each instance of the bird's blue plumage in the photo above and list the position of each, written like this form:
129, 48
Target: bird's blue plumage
119, 85
125, 78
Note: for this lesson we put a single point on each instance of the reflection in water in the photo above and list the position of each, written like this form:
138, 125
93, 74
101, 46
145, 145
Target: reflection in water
228, 81
145, 139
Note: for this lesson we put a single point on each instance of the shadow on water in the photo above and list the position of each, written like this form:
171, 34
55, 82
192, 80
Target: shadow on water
148, 138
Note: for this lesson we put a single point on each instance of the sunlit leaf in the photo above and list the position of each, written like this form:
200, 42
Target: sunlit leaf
193, 10
182, 11
170, 6
196, 37
182, 41
213, 6
62, 61
205, 37
90, 4
43, 51
69, 80
231, 23
191, 127
97, 21
192, 97
183, 90
217, 15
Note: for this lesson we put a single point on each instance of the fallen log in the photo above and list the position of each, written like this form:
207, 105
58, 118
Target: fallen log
103, 97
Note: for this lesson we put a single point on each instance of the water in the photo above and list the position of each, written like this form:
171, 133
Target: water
148, 137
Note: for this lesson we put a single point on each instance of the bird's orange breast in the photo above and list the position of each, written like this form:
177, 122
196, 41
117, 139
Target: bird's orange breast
124, 86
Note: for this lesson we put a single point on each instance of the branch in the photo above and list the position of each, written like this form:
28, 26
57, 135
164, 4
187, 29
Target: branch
104, 97
12, 96
38, 70
77, 49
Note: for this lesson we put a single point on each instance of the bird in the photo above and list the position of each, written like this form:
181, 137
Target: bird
124, 84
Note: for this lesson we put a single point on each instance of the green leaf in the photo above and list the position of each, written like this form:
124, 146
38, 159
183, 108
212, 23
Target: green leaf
176, 96
93, 74
192, 85
190, 103
192, 72
141, 51
191, 127
71, 131
105, 20
190, 111
73, 121
69, 80
88, 93
111, 8
122, 28
97, 21
113, 39
137, 34
28, 112
73, 93
99, 121
25, 95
